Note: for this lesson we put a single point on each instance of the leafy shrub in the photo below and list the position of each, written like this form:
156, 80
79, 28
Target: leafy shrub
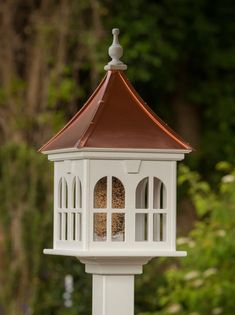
204, 282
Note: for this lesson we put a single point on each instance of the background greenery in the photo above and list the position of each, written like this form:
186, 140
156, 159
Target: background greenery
180, 56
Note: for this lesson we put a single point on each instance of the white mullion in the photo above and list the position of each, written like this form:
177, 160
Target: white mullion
171, 205
97, 210
160, 211
150, 196
118, 210
142, 211
92, 222
87, 193
109, 192
56, 215
150, 208
68, 203
109, 207
78, 214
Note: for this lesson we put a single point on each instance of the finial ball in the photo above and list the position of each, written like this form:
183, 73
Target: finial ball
115, 31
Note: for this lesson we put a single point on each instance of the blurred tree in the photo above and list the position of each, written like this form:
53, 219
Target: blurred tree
46, 51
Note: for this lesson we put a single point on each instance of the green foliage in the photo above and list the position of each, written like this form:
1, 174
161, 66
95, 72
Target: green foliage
26, 225
64, 92
24, 199
203, 282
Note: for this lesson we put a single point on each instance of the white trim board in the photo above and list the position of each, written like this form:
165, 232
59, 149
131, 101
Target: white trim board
110, 253
116, 155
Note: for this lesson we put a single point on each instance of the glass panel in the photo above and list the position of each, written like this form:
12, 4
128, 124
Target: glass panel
159, 227
100, 193
141, 227
159, 194
118, 227
73, 225
74, 197
100, 227
60, 226
164, 196
65, 226
66, 194
118, 194
142, 194
79, 194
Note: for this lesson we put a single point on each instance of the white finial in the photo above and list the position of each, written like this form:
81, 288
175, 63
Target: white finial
115, 52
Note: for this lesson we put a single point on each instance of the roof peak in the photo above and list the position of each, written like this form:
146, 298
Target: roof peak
115, 52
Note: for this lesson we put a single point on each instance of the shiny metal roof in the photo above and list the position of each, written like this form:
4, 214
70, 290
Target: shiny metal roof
115, 116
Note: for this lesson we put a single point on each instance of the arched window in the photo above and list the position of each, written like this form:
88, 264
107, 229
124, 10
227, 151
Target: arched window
141, 197
118, 194
142, 201
109, 195
100, 202
76, 193
150, 218
159, 194
69, 210
100, 193
159, 203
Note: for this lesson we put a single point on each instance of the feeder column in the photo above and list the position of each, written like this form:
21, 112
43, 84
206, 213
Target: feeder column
113, 295
113, 283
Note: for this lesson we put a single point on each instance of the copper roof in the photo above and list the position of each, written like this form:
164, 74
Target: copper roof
115, 116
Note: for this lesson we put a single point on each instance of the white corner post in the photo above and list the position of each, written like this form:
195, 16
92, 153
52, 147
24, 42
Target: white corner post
113, 283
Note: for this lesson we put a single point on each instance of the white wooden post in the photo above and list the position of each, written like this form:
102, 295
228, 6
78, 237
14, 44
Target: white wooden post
113, 294
113, 283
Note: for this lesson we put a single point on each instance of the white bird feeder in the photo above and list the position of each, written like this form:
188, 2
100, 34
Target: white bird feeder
115, 188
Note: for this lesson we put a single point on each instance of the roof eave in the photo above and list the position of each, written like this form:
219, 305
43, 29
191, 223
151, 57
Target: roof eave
128, 150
